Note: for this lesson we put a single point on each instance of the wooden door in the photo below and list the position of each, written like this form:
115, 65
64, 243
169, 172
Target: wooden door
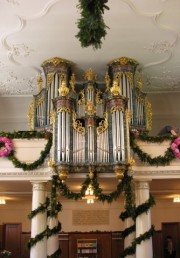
25, 253
172, 229
64, 244
12, 238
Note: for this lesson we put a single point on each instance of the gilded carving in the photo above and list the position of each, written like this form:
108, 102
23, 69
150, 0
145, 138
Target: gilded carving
139, 82
72, 83
63, 109
39, 83
90, 75
103, 125
39, 101
77, 125
124, 61
56, 61
117, 108
148, 115
30, 116
50, 77
108, 82
90, 87
115, 89
90, 108
98, 97
63, 90
52, 117
128, 119
129, 76
81, 101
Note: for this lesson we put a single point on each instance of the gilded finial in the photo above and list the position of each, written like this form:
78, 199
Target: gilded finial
90, 75
115, 90
63, 90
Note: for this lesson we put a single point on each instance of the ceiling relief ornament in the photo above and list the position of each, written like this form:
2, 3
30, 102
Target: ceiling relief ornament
13, 2
159, 47
20, 50
166, 78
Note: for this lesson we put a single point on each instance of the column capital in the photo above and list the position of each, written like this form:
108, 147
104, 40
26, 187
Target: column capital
39, 185
142, 185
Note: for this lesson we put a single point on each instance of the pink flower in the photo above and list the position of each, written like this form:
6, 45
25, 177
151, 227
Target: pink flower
175, 147
7, 148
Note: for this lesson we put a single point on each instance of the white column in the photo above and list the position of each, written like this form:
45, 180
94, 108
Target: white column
130, 238
52, 242
39, 222
143, 221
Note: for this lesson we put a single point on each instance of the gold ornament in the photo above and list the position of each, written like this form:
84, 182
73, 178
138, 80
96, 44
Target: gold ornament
63, 174
119, 173
90, 75
91, 173
115, 90
90, 109
39, 82
63, 90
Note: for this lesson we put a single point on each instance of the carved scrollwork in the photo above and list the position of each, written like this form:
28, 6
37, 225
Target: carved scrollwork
81, 101
148, 115
103, 125
98, 97
77, 125
31, 116
117, 108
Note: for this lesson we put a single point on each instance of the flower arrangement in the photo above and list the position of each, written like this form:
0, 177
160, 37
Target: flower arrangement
175, 147
6, 146
5, 254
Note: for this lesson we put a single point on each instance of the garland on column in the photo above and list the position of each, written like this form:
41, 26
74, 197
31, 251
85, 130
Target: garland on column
53, 212
134, 212
55, 208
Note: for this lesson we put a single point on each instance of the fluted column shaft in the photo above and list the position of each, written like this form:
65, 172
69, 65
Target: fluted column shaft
39, 222
130, 238
143, 221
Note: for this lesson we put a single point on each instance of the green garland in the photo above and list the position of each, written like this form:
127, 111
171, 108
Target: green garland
34, 240
128, 231
55, 254
91, 24
29, 135
66, 192
144, 207
42, 208
144, 157
131, 250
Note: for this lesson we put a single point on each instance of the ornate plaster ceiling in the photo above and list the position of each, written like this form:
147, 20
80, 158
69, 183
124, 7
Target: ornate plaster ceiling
34, 31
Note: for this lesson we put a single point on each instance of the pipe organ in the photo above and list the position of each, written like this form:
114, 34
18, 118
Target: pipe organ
91, 121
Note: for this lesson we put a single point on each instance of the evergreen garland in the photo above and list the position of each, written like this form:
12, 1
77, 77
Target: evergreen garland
144, 207
132, 249
29, 135
34, 240
42, 208
66, 192
55, 254
91, 24
144, 157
